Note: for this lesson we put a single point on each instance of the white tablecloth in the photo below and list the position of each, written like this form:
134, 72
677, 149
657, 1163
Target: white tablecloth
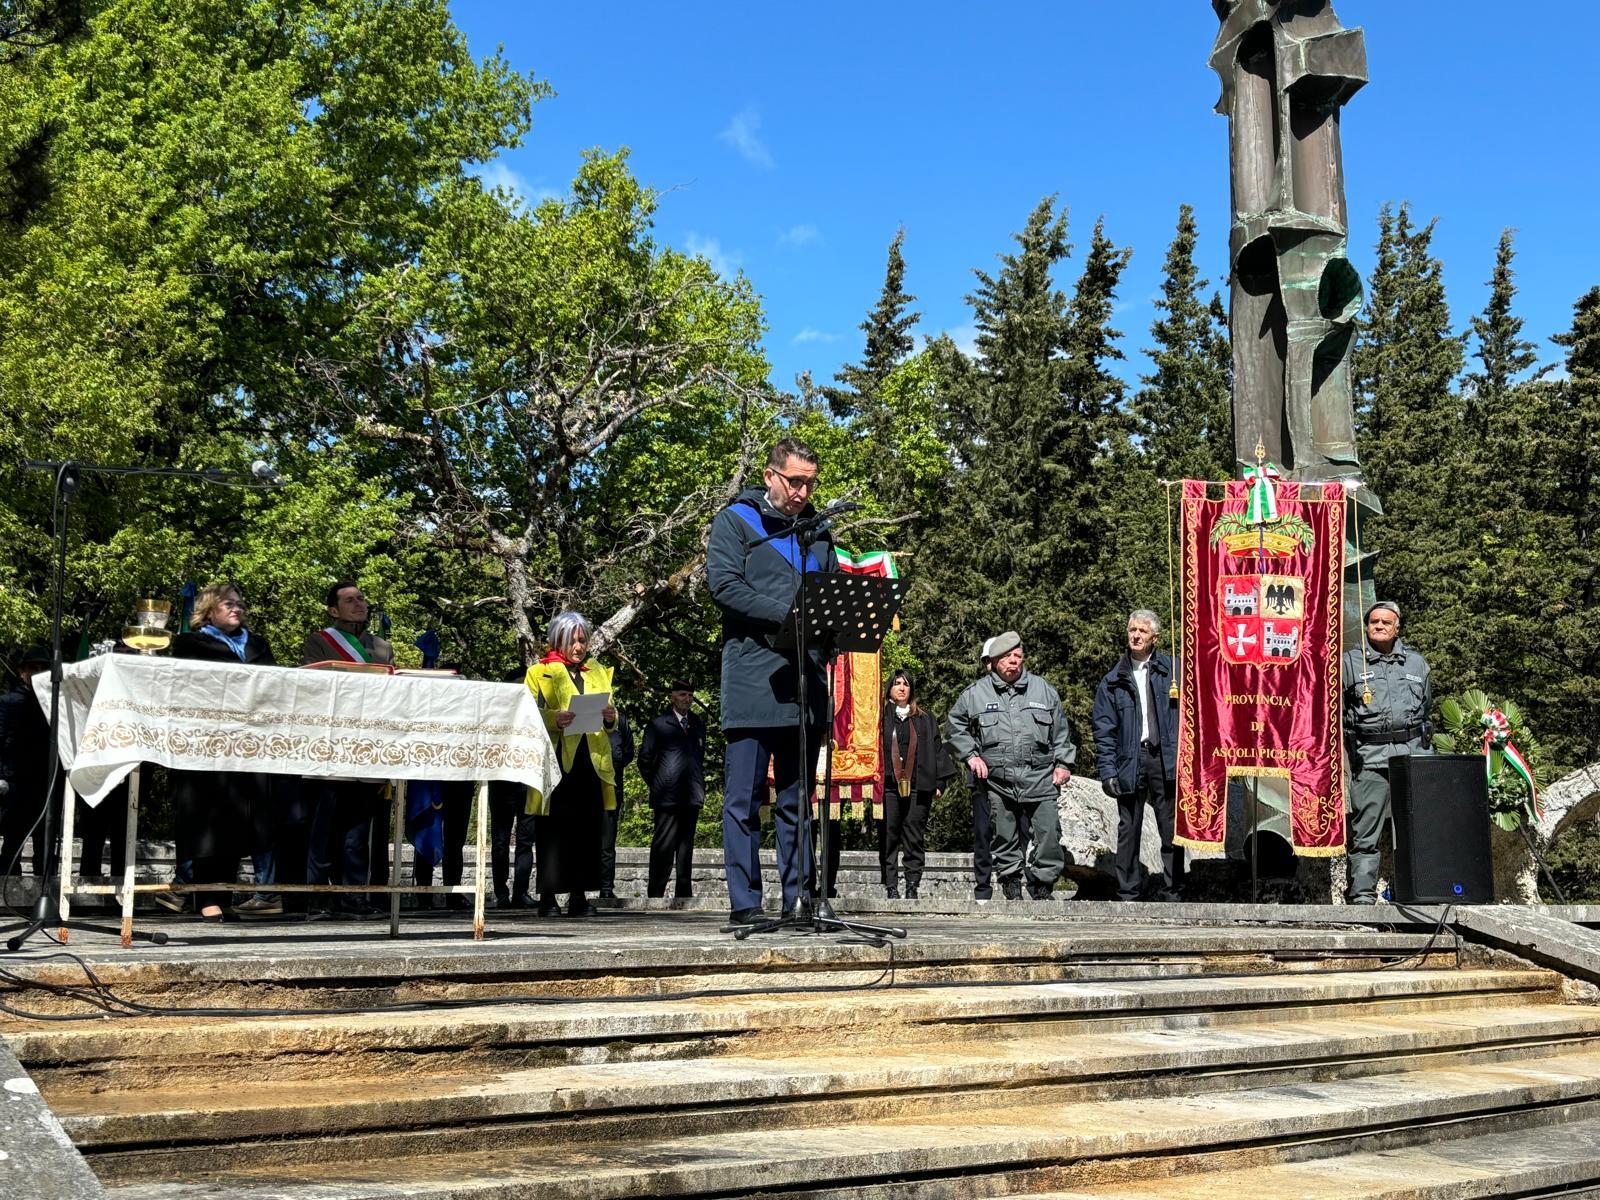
118, 710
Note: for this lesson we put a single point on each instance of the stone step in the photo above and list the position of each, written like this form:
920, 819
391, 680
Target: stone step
684, 1096
1068, 1136
1538, 1160
595, 1030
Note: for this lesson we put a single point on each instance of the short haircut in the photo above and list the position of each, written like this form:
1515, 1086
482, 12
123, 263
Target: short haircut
333, 592
566, 626
1148, 616
206, 602
790, 447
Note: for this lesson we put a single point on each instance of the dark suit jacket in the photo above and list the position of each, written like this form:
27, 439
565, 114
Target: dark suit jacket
195, 644
672, 761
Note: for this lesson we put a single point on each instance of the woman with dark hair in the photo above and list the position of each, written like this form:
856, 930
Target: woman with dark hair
915, 767
220, 816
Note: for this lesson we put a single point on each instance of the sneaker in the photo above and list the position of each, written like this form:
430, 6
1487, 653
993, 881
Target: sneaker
259, 906
173, 902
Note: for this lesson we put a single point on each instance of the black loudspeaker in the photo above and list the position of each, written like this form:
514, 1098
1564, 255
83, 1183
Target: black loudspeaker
1441, 829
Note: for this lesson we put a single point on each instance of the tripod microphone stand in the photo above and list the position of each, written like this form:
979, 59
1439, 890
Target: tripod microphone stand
46, 912
847, 613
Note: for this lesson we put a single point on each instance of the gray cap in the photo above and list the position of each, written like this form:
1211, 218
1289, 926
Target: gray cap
1387, 604
1002, 644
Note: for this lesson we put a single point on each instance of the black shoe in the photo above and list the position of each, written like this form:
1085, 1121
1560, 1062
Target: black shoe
609, 896
1168, 896
524, 901
746, 916
911, 891
499, 900
1011, 888
579, 906
457, 903
892, 893
983, 893
358, 910
803, 910
548, 907
1040, 890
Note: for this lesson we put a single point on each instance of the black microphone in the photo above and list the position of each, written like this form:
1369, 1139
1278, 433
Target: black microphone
838, 508
263, 471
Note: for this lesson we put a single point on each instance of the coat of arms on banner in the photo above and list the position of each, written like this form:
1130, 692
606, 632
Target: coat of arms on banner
1262, 619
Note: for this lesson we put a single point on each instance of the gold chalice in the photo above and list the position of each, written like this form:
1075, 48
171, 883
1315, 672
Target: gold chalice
147, 632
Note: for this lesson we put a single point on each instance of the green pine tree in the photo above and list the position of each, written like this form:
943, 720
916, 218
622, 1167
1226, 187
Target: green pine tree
1184, 414
889, 341
1023, 537
1408, 421
1502, 350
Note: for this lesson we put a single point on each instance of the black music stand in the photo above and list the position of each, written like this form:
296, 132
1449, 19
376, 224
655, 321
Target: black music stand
839, 613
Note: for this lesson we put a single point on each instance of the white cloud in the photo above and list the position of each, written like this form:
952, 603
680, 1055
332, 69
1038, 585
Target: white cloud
497, 176
744, 135
799, 235
965, 337
813, 335
723, 262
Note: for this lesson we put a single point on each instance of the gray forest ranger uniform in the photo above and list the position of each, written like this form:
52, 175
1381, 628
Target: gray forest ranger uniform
1020, 730
1395, 722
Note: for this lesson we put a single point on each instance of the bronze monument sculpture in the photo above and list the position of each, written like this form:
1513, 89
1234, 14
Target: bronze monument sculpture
1287, 67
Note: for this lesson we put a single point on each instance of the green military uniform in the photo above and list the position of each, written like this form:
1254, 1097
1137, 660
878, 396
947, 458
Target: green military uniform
1020, 730
1392, 723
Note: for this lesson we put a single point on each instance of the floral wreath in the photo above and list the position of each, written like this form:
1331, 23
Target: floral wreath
1500, 732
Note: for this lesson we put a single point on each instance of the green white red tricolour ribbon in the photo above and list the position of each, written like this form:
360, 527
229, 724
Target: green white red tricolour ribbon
1263, 506
1497, 736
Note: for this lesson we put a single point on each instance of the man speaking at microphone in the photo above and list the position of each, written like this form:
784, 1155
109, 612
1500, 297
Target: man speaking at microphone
753, 582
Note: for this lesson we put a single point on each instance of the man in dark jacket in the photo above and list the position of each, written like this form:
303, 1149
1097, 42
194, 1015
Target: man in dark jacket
621, 735
754, 586
24, 763
1135, 721
672, 762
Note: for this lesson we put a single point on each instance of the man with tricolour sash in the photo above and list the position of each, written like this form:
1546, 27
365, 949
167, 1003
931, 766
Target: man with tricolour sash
342, 810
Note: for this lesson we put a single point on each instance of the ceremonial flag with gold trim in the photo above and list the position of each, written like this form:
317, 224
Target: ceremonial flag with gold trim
1259, 695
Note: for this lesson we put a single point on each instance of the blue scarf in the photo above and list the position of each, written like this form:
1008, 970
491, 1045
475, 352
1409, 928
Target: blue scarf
235, 641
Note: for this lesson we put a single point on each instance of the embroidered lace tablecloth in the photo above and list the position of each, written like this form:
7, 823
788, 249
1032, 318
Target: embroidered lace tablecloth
119, 710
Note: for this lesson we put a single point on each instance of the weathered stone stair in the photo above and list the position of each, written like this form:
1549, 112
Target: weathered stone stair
770, 1076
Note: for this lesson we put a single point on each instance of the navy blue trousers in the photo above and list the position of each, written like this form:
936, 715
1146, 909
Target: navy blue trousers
749, 752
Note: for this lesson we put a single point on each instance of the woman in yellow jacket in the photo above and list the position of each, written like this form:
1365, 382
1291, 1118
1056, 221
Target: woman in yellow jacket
569, 821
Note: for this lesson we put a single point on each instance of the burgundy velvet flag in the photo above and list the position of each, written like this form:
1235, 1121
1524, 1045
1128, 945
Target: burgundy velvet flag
1263, 597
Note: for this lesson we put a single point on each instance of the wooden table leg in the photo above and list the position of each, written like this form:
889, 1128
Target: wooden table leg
399, 786
128, 855
69, 813
483, 861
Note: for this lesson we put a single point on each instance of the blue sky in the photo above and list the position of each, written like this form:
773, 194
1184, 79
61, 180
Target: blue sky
791, 141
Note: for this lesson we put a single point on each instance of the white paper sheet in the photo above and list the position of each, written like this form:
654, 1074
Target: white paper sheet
586, 712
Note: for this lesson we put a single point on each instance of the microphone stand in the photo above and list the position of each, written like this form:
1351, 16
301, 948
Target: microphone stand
818, 916
68, 475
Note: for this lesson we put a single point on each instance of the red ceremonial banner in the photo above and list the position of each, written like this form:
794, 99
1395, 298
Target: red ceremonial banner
1262, 609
